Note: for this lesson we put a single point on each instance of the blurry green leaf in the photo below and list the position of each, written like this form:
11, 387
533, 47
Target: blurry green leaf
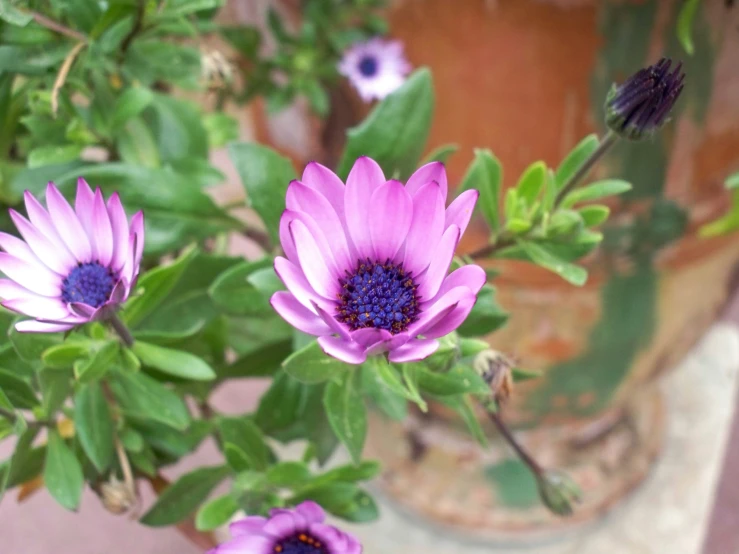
520, 374
463, 406
514, 483
288, 474
178, 128
185, 7
132, 440
441, 154
564, 221
485, 174
183, 496
346, 413
62, 472
363, 471
318, 98
387, 376
471, 346
531, 182
25, 464
393, 404
245, 435
55, 388
215, 513
93, 425
142, 397
278, 407
221, 129
575, 159
265, 176
174, 442
97, 365
130, 104
53, 154
245, 39
317, 428
173, 362
732, 181
685, 24
311, 365
32, 60
262, 362
596, 191
458, 380
594, 215
486, 315
13, 15
235, 457
518, 226
511, 204
234, 293
136, 145
152, 60
543, 257
394, 134
363, 509
18, 391
83, 13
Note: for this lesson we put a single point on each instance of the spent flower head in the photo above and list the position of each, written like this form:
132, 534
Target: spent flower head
641, 105
375, 68
298, 531
558, 492
75, 265
366, 264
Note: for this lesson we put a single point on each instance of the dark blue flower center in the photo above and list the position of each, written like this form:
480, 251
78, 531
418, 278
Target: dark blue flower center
379, 295
302, 543
89, 283
368, 66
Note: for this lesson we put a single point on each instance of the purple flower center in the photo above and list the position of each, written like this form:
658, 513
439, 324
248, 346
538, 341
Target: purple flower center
378, 295
301, 543
89, 283
368, 66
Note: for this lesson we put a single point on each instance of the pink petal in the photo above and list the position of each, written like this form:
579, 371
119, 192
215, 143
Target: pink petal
38, 306
433, 171
313, 261
298, 315
56, 259
460, 211
440, 262
426, 229
84, 204
33, 326
349, 352
247, 544
120, 292
288, 241
452, 320
137, 228
247, 526
327, 183
394, 209
119, 226
413, 351
369, 336
68, 225
435, 312
102, 232
10, 290
18, 249
471, 276
81, 309
34, 277
331, 321
294, 279
280, 526
305, 199
363, 179
311, 511
41, 219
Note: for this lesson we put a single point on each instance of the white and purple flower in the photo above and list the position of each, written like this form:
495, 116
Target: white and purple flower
376, 67
75, 265
298, 531
366, 264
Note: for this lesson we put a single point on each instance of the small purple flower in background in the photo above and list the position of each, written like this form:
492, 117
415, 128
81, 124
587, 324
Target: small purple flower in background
375, 68
366, 264
75, 265
298, 531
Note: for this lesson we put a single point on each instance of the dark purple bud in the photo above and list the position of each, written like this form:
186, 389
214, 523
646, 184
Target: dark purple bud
641, 105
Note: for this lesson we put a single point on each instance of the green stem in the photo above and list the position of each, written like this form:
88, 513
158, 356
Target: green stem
120, 328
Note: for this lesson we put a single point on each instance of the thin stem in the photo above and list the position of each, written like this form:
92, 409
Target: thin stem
511, 440
489, 249
605, 145
62, 76
260, 237
120, 328
57, 27
138, 24
12, 416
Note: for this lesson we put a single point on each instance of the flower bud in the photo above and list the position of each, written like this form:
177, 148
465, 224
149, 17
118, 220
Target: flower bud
216, 70
641, 105
558, 492
117, 497
496, 370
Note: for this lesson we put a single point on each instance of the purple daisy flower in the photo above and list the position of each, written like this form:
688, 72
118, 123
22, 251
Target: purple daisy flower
298, 531
75, 265
375, 68
366, 264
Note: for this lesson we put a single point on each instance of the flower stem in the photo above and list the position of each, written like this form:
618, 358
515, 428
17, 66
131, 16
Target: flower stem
120, 328
511, 440
57, 27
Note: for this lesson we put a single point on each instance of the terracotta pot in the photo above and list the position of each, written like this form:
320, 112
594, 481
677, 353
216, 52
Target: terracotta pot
527, 79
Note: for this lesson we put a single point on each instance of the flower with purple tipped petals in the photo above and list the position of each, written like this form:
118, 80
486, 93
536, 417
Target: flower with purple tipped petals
366, 264
298, 531
375, 68
641, 105
74, 265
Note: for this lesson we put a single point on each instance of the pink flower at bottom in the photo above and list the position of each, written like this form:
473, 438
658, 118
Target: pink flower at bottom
366, 264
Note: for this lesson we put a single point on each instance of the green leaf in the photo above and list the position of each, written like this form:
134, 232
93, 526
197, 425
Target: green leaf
346, 413
97, 365
93, 425
318, 98
18, 391
486, 315
441, 154
685, 23
531, 182
30, 346
387, 376
235, 457
62, 356
575, 159
247, 437
142, 397
130, 104
315, 423
363, 471
458, 380
185, 7
215, 513
262, 362
132, 440
236, 290
363, 509
594, 215
543, 257
173, 362
136, 145
393, 404
520, 374
183, 496
244, 39
62, 472
32, 60
288, 474
312, 365
486, 175
53, 154
732, 181
394, 134
13, 15
596, 191
55, 388
265, 175
564, 221
463, 406
178, 128
279, 406
221, 129
152, 60
174, 442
